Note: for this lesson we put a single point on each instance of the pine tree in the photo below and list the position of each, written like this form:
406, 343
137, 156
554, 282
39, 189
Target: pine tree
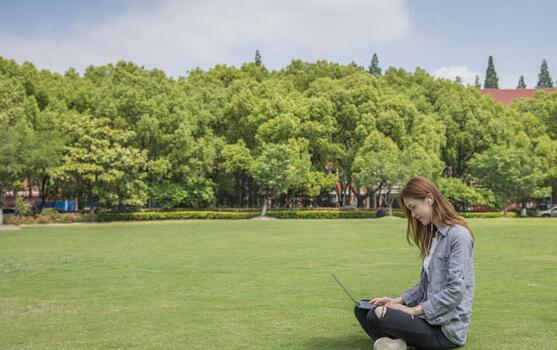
544, 78
521, 83
491, 80
458, 79
477, 82
258, 61
374, 68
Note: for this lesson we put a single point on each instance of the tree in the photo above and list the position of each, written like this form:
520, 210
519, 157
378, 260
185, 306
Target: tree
521, 83
99, 160
458, 79
377, 163
477, 82
258, 61
511, 172
374, 68
462, 195
281, 167
472, 124
491, 80
544, 78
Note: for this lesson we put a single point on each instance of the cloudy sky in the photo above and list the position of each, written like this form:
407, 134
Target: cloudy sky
447, 38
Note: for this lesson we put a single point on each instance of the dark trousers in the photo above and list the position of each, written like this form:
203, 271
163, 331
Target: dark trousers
396, 324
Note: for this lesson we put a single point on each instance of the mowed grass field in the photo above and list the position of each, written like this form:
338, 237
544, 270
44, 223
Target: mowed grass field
255, 284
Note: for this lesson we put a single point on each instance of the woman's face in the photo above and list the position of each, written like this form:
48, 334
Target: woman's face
420, 209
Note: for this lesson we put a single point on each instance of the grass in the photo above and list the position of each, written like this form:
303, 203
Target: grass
255, 284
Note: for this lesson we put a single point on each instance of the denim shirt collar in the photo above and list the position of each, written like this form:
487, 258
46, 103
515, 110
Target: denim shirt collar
443, 229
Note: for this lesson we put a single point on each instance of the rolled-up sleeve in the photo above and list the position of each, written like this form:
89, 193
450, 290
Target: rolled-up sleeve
413, 295
449, 297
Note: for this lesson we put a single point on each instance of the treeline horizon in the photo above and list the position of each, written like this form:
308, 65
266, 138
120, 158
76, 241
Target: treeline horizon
123, 137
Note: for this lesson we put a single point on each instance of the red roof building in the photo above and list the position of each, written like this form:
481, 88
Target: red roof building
509, 95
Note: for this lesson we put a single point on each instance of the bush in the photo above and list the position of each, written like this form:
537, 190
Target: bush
176, 215
329, 214
48, 218
493, 214
49, 212
22, 207
51, 216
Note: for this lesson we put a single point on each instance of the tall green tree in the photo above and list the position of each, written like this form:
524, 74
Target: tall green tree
281, 167
521, 83
258, 61
374, 68
477, 82
491, 80
511, 172
463, 196
99, 159
544, 78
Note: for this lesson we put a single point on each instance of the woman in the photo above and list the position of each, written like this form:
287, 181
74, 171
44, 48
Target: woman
435, 313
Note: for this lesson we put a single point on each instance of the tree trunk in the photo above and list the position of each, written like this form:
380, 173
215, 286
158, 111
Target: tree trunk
390, 200
43, 187
90, 199
30, 186
1, 205
504, 204
252, 196
359, 197
340, 190
264, 209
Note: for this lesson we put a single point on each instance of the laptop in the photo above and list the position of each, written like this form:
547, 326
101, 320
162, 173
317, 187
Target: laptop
362, 304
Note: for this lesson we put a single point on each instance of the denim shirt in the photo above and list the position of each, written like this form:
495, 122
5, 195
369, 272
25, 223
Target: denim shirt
447, 291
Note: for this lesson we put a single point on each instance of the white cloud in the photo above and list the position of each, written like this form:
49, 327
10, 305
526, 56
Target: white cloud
467, 75
180, 35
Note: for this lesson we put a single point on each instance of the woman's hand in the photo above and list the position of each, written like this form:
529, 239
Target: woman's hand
386, 301
409, 310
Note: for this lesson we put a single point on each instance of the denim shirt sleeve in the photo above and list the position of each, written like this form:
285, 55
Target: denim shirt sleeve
461, 247
413, 295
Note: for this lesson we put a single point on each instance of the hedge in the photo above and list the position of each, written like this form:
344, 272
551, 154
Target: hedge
48, 217
489, 214
174, 215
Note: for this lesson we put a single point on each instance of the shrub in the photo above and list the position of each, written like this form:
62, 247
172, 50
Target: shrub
49, 212
22, 207
493, 214
175, 215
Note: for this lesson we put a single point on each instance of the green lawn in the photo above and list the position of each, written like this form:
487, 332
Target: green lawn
255, 284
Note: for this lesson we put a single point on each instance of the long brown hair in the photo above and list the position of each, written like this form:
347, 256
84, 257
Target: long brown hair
419, 187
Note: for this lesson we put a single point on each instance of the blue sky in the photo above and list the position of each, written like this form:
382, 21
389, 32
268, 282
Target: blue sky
444, 37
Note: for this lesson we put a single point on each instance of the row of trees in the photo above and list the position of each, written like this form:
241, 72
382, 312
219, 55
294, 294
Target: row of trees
122, 136
491, 79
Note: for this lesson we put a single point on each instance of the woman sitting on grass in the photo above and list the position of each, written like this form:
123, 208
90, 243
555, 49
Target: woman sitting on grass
435, 313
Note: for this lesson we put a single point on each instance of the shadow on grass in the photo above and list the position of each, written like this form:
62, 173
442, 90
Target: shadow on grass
353, 342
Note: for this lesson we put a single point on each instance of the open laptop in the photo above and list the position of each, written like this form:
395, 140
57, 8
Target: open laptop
362, 304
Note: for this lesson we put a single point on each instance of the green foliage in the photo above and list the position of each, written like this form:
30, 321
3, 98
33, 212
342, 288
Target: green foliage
508, 171
462, 195
174, 215
521, 83
477, 83
49, 212
122, 137
22, 207
544, 78
491, 80
374, 68
487, 215
99, 158
257, 60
